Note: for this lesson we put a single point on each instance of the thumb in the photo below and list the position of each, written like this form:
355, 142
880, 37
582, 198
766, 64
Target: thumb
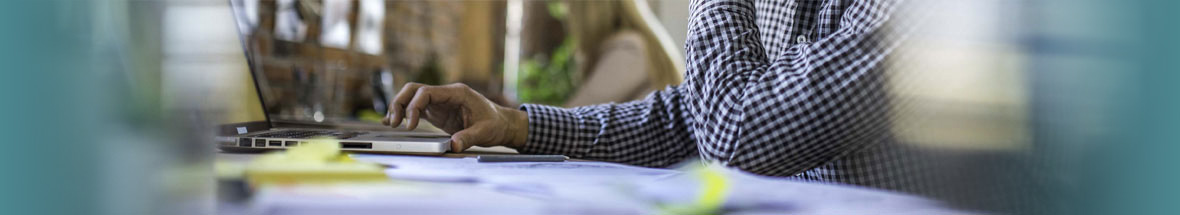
462, 140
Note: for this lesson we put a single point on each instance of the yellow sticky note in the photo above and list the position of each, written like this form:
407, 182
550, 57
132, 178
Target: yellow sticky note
318, 161
714, 187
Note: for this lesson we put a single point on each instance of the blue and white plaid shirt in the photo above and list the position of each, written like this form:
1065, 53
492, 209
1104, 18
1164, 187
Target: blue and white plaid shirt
773, 87
792, 88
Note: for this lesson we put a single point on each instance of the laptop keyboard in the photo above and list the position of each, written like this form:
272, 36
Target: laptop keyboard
304, 134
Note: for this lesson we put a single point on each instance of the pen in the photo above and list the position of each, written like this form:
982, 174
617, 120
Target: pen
521, 158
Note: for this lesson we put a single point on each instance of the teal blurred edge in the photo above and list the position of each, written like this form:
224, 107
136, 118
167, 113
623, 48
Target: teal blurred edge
1140, 170
48, 112
1110, 113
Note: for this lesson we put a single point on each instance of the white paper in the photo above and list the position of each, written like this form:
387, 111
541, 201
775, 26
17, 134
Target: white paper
465, 186
468, 169
749, 192
336, 30
288, 26
397, 198
370, 25
573, 188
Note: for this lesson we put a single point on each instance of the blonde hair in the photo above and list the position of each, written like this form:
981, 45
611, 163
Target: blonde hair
591, 22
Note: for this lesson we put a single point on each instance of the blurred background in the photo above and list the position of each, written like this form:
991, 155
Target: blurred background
111, 104
342, 60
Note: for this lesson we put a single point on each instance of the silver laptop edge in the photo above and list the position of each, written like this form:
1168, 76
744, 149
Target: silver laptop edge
252, 138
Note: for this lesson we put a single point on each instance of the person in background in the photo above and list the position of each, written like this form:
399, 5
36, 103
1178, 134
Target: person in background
624, 52
779, 88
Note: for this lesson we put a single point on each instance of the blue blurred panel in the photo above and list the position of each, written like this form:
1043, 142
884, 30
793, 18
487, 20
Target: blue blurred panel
45, 153
1105, 84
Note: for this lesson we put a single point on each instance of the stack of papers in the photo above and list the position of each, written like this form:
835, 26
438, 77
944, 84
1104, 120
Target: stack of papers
436, 185
468, 169
753, 194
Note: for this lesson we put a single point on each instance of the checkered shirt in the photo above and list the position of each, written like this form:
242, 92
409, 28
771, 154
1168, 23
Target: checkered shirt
773, 87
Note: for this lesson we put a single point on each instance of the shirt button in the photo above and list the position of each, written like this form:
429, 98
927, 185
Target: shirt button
801, 39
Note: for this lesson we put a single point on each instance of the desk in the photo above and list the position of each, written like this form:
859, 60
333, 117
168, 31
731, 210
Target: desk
604, 189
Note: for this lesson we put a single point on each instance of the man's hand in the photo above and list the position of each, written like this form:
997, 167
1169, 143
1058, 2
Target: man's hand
471, 119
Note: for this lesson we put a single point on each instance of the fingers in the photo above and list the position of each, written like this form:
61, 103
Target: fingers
463, 139
398, 105
433, 95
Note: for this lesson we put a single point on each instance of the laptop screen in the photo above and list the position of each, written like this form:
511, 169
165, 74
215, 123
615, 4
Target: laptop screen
303, 75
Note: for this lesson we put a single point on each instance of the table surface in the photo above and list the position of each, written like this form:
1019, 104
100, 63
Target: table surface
751, 189
225, 207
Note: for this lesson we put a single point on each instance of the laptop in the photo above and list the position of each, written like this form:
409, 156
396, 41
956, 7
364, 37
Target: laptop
285, 130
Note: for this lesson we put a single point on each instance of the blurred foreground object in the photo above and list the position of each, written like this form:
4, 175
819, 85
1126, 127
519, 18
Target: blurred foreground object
959, 104
960, 82
1072, 102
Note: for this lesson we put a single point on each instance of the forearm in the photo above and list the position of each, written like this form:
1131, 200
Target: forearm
649, 132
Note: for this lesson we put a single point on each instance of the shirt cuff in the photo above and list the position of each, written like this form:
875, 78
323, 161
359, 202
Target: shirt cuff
554, 130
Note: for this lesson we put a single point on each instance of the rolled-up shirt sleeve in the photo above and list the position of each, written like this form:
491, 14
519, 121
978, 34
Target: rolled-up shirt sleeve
650, 132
